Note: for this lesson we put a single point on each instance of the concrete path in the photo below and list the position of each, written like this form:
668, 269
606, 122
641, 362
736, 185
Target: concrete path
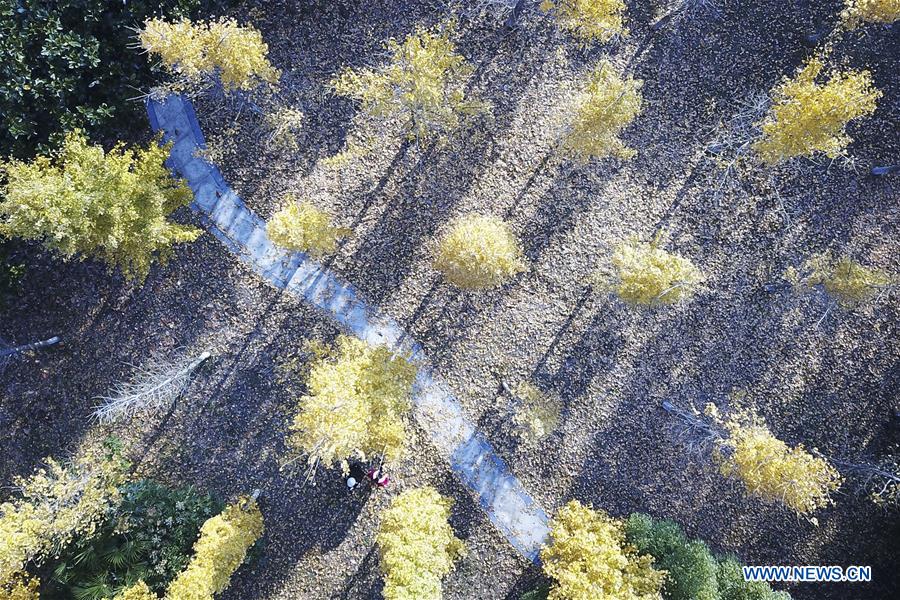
225, 215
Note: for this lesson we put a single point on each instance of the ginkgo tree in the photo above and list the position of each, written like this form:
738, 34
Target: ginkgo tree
588, 557
423, 86
205, 51
589, 20
357, 405
302, 226
479, 252
643, 274
857, 12
84, 201
844, 279
809, 117
416, 545
58, 503
607, 105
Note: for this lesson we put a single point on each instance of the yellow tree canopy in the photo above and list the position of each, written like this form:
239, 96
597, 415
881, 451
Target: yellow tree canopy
417, 546
808, 117
479, 252
113, 206
606, 107
357, 405
588, 558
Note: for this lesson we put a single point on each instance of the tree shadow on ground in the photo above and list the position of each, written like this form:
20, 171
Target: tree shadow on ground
104, 325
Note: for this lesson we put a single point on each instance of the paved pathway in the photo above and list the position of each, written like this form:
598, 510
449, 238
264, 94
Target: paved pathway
225, 215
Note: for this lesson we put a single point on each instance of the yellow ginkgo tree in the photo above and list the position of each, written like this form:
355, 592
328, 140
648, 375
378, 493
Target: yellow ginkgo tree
643, 274
196, 52
857, 12
416, 545
423, 86
357, 405
479, 252
590, 20
809, 117
768, 467
608, 104
87, 202
302, 226
588, 557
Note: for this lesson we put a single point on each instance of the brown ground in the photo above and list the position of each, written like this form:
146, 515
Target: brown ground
829, 387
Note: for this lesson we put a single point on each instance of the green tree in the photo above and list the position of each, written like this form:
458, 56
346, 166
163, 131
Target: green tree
69, 64
84, 201
416, 545
690, 566
732, 585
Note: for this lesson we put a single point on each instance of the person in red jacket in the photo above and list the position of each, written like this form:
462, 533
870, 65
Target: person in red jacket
377, 477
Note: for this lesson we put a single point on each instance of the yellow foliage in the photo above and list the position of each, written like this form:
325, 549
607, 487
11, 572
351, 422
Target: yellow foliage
423, 85
285, 124
537, 416
588, 558
645, 274
220, 550
358, 401
479, 252
57, 504
302, 226
807, 117
771, 469
20, 586
590, 20
238, 55
842, 278
606, 107
138, 591
416, 545
109, 205
871, 11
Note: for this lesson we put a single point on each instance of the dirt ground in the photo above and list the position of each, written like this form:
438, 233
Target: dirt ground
830, 386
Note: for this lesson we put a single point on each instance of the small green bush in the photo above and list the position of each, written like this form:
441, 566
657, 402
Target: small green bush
150, 537
11, 272
69, 64
690, 565
733, 587
692, 571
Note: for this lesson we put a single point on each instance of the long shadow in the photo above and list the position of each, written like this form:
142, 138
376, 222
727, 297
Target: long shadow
104, 325
425, 197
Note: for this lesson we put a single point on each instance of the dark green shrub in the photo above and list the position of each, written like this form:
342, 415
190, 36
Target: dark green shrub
691, 566
693, 572
149, 538
68, 64
733, 587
